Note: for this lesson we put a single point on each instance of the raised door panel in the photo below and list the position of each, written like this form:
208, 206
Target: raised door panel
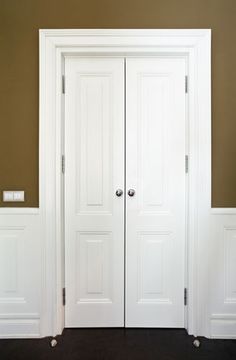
94, 215
94, 267
154, 263
152, 141
94, 144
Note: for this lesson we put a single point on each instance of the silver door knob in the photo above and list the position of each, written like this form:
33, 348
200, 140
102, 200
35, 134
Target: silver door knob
119, 192
131, 192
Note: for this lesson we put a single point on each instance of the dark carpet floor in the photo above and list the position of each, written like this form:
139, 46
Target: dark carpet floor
118, 344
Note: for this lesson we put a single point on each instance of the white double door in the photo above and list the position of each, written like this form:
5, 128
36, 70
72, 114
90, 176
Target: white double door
124, 192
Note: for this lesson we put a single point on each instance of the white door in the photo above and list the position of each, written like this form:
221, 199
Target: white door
155, 170
155, 210
94, 215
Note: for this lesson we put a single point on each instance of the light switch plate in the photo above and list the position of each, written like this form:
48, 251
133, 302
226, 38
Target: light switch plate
13, 196
7, 196
18, 196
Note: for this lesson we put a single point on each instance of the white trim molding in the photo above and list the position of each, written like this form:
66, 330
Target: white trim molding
19, 211
223, 211
223, 326
195, 46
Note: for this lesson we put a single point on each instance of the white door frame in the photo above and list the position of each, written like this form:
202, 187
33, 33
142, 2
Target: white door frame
195, 46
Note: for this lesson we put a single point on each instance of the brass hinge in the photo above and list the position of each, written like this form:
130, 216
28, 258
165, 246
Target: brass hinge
63, 84
186, 84
63, 164
186, 164
185, 296
64, 296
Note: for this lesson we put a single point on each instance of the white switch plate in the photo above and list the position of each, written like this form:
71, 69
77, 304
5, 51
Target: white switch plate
7, 195
13, 196
18, 195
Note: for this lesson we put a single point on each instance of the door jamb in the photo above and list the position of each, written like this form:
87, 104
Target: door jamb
54, 45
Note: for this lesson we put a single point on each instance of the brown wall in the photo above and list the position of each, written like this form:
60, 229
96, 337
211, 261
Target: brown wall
19, 24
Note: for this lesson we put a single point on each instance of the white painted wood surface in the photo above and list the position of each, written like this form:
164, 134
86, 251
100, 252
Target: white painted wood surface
94, 215
222, 274
195, 46
20, 273
155, 168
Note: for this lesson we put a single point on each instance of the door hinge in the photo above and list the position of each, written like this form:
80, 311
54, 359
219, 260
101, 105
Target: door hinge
186, 164
64, 296
186, 84
63, 84
185, 296
63, 164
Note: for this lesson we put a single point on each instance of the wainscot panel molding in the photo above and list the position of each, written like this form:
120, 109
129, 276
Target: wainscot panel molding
20, 273
22, 285
222, 274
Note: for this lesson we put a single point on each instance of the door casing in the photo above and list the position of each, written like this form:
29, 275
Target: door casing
195, 47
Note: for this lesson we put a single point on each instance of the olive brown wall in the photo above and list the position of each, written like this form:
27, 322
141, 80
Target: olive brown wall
19, 25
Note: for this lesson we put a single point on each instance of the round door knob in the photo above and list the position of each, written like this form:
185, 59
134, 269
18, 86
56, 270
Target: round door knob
131, 192
119, 192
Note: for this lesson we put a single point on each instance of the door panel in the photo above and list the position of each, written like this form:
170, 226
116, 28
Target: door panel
94, 215
155, 168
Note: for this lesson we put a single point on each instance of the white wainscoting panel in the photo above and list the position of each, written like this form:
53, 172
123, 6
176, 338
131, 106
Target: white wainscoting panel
12, 265
223, 326
20, 274
230, 264
222, 281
